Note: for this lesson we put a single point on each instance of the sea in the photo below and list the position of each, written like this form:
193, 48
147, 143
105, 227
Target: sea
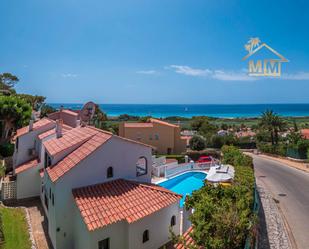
190, 110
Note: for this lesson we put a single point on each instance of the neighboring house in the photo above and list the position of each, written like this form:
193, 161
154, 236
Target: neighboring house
247, 133
305, 133
69, 117
95, 188
165, 137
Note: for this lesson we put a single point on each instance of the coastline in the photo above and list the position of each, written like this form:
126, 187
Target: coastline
214, 111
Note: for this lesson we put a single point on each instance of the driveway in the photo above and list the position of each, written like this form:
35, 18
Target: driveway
290, 187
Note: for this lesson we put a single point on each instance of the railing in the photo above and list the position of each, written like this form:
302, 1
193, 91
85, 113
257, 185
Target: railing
180, 168
8, 190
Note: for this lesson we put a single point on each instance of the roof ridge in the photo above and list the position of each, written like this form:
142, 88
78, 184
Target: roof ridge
155, 120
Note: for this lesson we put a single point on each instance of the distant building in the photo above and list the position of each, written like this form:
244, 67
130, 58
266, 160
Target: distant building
165, 137
247, 133
305, 133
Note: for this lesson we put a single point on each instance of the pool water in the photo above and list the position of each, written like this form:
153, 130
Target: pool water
185, 184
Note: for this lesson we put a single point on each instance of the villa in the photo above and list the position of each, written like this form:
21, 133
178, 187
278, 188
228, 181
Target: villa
165, 137
95, 187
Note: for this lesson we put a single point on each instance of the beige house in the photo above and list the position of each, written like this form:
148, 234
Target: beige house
165, 137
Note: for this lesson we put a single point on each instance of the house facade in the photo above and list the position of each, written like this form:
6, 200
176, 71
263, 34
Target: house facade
165, 137
95, 188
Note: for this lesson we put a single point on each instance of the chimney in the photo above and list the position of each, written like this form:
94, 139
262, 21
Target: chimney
59, 123
31, 125
61, 108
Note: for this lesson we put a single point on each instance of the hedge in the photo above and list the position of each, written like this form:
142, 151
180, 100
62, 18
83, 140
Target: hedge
223, 217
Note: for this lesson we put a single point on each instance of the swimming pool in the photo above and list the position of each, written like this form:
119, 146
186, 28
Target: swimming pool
185, 184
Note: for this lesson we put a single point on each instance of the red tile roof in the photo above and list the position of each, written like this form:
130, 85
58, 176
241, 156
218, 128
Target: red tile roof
27, 165
120, 200
53, 131
305, 133
37, 125
69, 139
149, 124
67, 163
187, 242
138, 125
153, 120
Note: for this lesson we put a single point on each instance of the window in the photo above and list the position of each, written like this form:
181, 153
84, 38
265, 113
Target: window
46, 201
156, 136
47, 160
53, 199
49, 193
141, 166
145, 236
173, 221
150, 136
16, 144
110, 173
104, 244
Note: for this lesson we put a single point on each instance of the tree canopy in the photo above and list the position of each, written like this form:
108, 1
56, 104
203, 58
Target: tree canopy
14, 113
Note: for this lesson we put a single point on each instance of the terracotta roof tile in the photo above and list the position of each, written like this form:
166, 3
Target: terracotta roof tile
53, 131
90, 145
36, 125
118, 200
27, 165
69, 139
188, 242
305, 133
153, 120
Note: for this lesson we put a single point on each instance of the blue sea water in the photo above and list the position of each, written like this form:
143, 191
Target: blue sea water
185, 184
222, 111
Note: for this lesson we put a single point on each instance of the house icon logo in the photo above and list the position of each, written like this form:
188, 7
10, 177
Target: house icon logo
263, 67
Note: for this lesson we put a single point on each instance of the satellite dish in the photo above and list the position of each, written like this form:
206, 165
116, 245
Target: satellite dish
87, 112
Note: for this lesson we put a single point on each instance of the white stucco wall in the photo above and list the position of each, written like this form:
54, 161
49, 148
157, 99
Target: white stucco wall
28, 183
83, 238
118, 153
158, 225
26, 142
123, 235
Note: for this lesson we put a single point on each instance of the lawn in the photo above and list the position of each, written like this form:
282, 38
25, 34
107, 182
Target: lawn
14, 228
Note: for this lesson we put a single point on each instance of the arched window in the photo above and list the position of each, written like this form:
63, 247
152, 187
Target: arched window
141, 166
145, 236
110, 172
173, 221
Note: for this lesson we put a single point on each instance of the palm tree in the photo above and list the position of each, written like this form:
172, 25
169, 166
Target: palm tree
253, 42
273, 124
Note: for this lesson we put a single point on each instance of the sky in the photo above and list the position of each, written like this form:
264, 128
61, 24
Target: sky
154, 51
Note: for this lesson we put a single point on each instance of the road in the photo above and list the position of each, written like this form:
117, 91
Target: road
291, 188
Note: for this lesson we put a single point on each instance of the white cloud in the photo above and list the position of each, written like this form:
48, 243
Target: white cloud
69, 75
189, 70
232, 76
296, 76
146, 72
215, 74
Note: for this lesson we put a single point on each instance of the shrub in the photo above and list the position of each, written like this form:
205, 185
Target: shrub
197, 143
6, 149
195, 155
233, 156
223, 217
